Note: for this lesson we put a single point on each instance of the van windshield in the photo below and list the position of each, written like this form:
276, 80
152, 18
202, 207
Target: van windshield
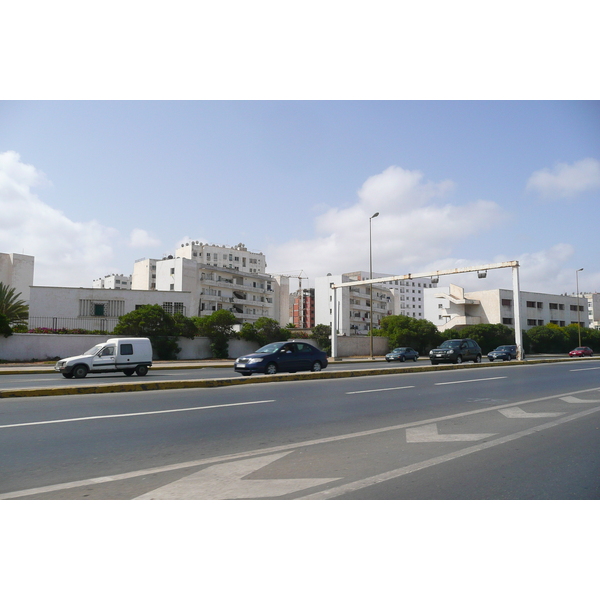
93, 350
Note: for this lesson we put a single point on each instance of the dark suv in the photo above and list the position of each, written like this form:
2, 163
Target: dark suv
456, 351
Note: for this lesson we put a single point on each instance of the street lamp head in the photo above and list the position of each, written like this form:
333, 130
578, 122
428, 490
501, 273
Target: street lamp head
579, 270
375, 215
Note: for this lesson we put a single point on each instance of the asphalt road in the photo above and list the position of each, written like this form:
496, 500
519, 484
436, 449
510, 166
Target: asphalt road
517, 432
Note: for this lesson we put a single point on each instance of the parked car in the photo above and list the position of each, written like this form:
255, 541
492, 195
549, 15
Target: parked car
581, 351
503, 353
129, 355
456, 351
282, 356
402, 354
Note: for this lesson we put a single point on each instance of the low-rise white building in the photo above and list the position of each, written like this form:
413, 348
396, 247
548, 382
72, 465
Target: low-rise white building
593, 309
448, 307
95, 308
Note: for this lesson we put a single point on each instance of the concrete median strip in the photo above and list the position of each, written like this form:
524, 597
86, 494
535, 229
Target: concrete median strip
148, 386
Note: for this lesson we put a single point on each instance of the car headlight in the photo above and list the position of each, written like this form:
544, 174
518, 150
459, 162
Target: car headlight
450, 351
254, 360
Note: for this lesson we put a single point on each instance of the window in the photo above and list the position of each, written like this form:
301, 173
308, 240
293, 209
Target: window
530, 304
540, 321
172, 287
531, 322
440, 306
507, 321
573, 307
126, 349
99, 310
506, 302
540, 305
553, 306
173, 271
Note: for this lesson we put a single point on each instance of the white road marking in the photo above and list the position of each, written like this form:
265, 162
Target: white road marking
294, 446
429, 433
405, 387
588, 369
470, 380
225, 482
573, 400
519, 413
138, 414
369, 481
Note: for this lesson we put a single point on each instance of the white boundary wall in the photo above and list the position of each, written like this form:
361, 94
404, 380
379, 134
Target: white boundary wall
48, 346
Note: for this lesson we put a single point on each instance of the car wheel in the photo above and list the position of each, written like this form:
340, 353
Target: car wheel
434, 362
458, 360
80, 371
129, 372
402, 358
491, 360
415, 358
246, 374
67, 375
477, 358
387, 360
271, 369
141, 370
316, 366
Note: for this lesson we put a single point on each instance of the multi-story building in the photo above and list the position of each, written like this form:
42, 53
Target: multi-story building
303, 308
16, 271
113, 282
354, 303
218, 278
448, 307
593, 309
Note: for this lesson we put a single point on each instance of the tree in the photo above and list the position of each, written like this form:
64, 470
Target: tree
218, 328
322, 335
548, 338
16, 311
153, 322
264, 331
420, 334
5, 328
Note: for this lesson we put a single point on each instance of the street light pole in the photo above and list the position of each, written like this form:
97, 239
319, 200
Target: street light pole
578, 307
371, 287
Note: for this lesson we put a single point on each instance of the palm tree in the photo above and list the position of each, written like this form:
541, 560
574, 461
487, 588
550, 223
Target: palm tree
15, 310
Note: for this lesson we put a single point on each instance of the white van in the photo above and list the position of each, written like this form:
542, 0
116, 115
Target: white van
129, 355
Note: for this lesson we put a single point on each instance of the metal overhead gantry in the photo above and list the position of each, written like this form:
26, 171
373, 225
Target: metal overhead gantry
481, 270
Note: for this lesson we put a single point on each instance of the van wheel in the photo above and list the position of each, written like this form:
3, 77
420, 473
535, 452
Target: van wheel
141, 370
129, 372
79, 372
67, 375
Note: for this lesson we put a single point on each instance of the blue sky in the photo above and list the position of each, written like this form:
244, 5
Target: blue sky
90, 186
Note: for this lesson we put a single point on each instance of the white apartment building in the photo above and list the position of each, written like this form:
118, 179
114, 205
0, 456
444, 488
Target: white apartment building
218, 278
354, 303
16, 271
112, 282
593, 309
448, 307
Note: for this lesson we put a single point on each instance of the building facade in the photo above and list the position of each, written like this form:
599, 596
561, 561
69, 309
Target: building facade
448, 307
218, 278
354, 304
16, 271
113, 282
593, 309
303, 308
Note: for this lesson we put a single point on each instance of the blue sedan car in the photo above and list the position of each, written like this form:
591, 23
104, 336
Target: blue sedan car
503, 353
282, 357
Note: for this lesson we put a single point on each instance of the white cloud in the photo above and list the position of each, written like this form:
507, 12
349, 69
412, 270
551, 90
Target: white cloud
65, 251
566, 181
140, 238
415, 227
